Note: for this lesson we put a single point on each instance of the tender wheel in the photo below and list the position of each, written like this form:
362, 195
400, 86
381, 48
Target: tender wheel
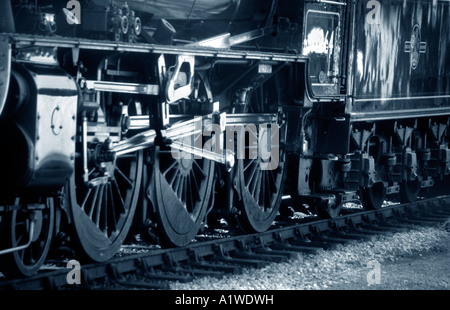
16, 232
260, 190
103, 208
179, 190
409, 190
441, 187
372, 198
329, 208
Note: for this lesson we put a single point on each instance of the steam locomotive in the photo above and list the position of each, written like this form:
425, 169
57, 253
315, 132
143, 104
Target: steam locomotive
159, 118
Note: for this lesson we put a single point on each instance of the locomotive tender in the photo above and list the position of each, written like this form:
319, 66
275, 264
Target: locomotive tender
159, 117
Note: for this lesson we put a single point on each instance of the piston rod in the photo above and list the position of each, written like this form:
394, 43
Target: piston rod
196, 126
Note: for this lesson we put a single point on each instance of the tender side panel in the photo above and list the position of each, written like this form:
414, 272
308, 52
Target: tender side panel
401, 58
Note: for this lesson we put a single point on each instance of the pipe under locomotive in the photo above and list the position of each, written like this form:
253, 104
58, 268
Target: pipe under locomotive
158, 118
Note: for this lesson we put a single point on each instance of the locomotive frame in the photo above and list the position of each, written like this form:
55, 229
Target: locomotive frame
104, 136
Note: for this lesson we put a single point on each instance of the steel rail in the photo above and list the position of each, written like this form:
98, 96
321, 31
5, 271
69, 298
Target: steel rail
227, 248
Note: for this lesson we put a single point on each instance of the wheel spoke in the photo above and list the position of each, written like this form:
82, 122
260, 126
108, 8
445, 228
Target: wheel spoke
86, 197
94, 201
112, 219
250, 177
263, 192
256, 188
170, 168
99, 205
249, 164
25, 256
267, 190
195, 187
118, 197
200, 169
272, 182
190, 203
124, 178
177, 186
175, 175
18, 240
104, 214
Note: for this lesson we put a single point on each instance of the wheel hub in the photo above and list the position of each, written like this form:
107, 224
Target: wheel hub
186, 164
185, 159
103, 158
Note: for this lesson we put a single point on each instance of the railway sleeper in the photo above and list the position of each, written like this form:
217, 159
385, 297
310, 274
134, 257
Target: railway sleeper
260, 256
420, 221
336, 239
297, 248
264, 250
193, 272
154, 276
433, 212
223, 257
430, 217
397, 226
263, 247
146, 285
255, 263
282, 244
442, 213
323, 245
372, 232
217, 267
117, 277
350, 235
390, 224
437, 211
376, 227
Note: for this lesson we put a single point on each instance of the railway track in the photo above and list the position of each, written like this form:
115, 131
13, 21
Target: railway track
216, 255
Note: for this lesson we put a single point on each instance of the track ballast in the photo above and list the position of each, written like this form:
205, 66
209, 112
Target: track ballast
231, 253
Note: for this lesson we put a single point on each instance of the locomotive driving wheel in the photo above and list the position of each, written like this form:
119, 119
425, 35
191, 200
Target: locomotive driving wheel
260, 186
102, 208
180, 190
29, 229
259, 176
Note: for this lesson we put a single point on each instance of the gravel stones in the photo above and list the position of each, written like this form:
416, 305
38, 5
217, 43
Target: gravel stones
397, 256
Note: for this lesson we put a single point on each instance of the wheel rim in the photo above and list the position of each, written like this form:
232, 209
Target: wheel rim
373, 197
260, 189
409, 190
103, 209
28, 261
180, 190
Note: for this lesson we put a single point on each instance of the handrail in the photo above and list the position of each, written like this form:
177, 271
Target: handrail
331, 2
22, 247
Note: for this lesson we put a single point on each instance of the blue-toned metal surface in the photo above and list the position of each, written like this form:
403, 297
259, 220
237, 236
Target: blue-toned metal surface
184, 10
401, 58
203, 18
